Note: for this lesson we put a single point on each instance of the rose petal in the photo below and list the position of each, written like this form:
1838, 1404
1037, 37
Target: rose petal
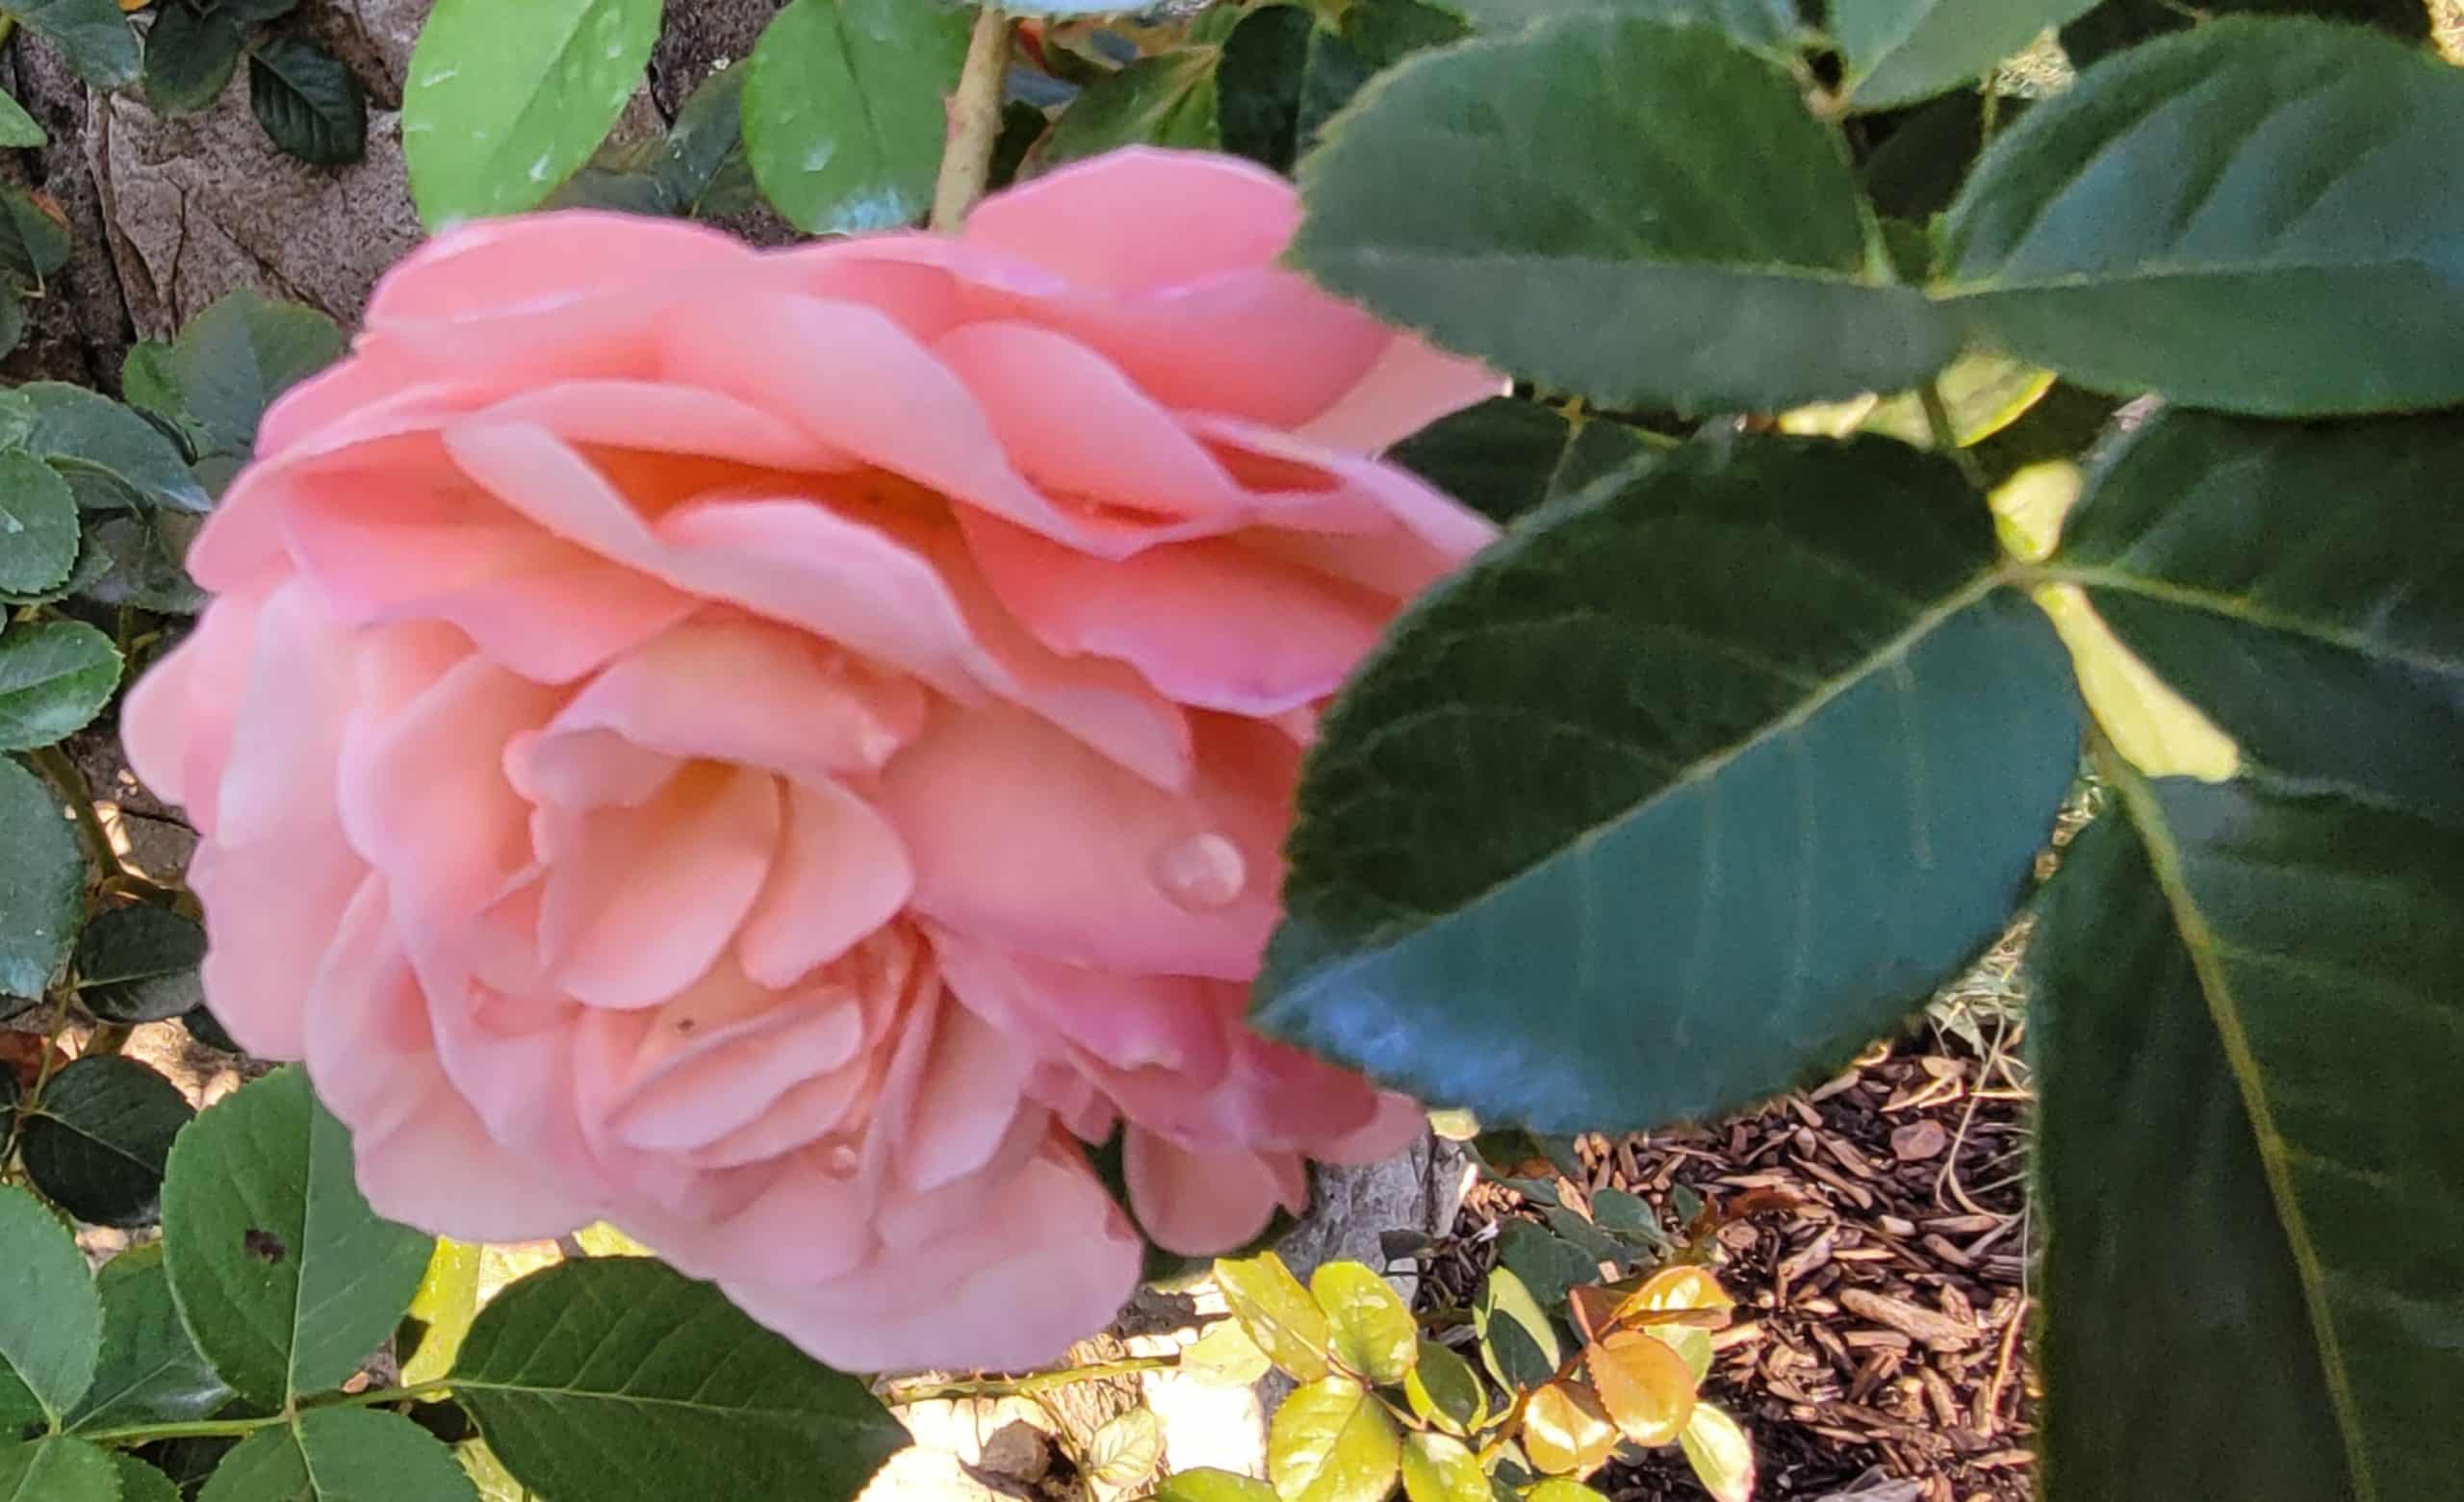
1198, 1204
841, 872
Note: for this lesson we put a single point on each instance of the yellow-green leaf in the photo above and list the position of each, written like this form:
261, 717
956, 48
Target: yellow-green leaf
447, 1301
1206, 1484
1224, 1356
1127, 1449
1277, 1313
1565, 1430
2029, 507
2162, 733
1557, 1489
1331, 1441
1437, 1469
1721, 1455
1644, 1384
1374, 1336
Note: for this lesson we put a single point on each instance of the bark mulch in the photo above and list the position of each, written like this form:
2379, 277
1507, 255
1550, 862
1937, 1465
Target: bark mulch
1875, 1230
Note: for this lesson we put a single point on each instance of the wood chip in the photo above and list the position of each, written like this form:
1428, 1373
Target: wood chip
1919, 1141
1964, 1225
1835, 1085
1949, 1253
1913, 1320
1888, 1339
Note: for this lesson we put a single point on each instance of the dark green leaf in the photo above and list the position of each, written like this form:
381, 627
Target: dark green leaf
2125, 231
13, 317
37, 524
1375, 36
1547, 1266
139, 1481
1163, 100
615, 190
1800, 759
1797, 754
282, 1272
2246, 1033
248, 12
86, 434
842, 110
1595, 1245
504, 101
1716, 258
150, 382
143, 563
341, 1455
190, 57
1518, 1342
98, 1142
43, 882
33, 244
139, 964
308, 101
1627, 1215
702, 165
2183, 545
1769, 24
1900, 51
1257, 83
151, 1373
234, 359
619, 1379
1507, 456
54, 677
93, 34
1443, 1389
57, 1470
50, 1324
189, 1462
203, 1027
1918, 169
2116, 24
17, 128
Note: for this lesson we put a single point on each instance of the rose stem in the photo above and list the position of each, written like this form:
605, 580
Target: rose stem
975, 121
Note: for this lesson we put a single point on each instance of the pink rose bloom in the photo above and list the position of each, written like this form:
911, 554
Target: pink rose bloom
777, 751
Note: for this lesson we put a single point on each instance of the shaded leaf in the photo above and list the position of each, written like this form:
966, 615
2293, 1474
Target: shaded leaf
17, 128
54, 677
308, 102
189, 58
341, 1455
2239, 1180
37, 525
93, 34
702, 165
139, 1481
1767, 24
2116, 24
1517, 1343
1507, 456
1546, 1265
234, 359
1444, 1390
842, 110
1258, 81
51, 1323
1900, 51
34, 240
1373, 1334
150, 1370
1718, 258
87, 435
1165, 100
139, 964
2122, 232
1331, 1441
98, 1143
1802, 754
1277, 1313
43, 883
284, 1275
1372, 36
504, 101
141, 558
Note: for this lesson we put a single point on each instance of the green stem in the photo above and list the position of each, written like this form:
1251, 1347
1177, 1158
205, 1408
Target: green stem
70, 783
899, 1393
975, 121
1946, 438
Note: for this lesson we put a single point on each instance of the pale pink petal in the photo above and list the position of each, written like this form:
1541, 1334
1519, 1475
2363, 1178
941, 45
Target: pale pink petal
640, 901
969, 1094
660, 418
1211, 623
841, 872
744, 691
806, 1224
271, 911
177, 725
287, 730
422, 1156
698, 1089
1171, 1024
1075, 426
1400, 1122
1198, 1204
522, 264
1412, 385
1025, 839
1168, 217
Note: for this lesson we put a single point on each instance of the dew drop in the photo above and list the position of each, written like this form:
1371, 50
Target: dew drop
1201, 872
841, 1158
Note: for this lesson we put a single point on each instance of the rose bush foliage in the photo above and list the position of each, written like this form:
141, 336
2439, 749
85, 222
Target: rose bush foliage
782, 751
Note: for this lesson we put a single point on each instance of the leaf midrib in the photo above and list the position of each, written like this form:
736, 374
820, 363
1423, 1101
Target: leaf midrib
735, 1410
2224, 1011
536, 88
1386, 937
2236, 608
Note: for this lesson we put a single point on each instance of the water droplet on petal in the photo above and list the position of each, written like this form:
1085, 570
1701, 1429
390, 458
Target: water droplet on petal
1201, 872
841, 1158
